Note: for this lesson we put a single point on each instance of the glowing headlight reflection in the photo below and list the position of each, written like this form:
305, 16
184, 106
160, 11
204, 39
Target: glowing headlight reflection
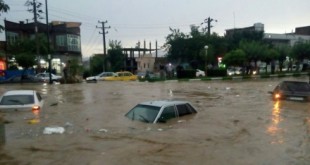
274, 130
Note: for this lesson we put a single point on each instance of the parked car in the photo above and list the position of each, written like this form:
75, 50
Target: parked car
46, 77
160, 111
234, 71
122, 76
100, 76
145, 75
21, 100
200, 73
292, 90
22, 79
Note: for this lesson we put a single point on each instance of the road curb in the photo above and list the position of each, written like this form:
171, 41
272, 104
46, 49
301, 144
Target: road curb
235, 77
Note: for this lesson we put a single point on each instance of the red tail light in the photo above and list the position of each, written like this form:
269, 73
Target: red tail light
36, 109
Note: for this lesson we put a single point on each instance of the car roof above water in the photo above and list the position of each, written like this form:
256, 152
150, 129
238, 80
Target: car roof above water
15, 92
160, 103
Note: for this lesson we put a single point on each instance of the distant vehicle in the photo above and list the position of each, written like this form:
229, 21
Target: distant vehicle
143, 75
122, 76
234, 71
46, 77
21, 100
100, 76
22, 79
292, 90
160, 111
200, 73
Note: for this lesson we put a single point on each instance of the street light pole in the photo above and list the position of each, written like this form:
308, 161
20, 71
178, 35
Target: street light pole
48, 45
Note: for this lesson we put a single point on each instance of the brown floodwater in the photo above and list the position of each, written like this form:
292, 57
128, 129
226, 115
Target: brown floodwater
237, 123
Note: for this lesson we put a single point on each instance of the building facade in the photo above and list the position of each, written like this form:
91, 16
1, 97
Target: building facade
64, 39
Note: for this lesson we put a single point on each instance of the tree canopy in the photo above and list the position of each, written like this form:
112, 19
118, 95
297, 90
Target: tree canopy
4, 8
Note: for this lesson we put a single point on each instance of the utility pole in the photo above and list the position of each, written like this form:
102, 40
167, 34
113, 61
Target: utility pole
36, 14
36, 28
209, 26
48, 45
104, 32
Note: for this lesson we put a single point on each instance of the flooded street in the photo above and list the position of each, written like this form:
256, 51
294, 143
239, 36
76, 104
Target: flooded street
237, 123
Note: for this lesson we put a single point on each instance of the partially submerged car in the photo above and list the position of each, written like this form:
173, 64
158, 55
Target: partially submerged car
292, 90
100, 76
200, 73
122, 76
160, 111
21, 100
46, 77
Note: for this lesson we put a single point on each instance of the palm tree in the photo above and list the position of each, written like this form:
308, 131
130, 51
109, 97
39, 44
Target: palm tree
4, 8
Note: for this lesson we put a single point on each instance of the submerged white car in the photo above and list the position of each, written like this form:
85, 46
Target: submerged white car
46, 76
100, 76
21, 100
160, 111
200, 73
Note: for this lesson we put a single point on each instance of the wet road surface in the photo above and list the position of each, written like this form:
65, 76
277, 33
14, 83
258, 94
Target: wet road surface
237, 123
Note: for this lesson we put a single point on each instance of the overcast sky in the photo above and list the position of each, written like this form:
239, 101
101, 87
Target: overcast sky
138, 20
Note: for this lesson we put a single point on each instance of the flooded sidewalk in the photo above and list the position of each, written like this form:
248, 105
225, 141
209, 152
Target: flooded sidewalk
237, 123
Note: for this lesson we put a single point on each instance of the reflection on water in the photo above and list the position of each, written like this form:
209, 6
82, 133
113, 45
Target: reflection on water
274, 129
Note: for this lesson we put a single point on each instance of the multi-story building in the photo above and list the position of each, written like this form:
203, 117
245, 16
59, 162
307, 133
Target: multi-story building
258, 27
65, 39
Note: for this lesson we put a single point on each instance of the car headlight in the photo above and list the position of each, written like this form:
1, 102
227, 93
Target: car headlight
277, 96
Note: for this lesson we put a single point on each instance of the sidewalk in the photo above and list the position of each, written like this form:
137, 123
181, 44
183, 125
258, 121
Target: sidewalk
239, 77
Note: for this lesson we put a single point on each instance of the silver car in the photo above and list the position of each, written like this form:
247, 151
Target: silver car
21, 100
160, 111
100, 76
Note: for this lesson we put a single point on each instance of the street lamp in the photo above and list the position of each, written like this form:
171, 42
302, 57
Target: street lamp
206, 61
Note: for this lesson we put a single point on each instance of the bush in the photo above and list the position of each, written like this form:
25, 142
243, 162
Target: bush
186, 74
216, 72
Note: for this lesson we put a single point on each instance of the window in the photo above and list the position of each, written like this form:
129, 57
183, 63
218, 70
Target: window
17, 100
184, 109
12, 37
168, 113
60, 40
39, 97
127, 74
144, 113
73, 42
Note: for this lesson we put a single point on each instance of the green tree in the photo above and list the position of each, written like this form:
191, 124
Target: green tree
254, 50
301, 51
270, 55
24, 51
235, 58
96, 64
115, 56
4, 8
284, 51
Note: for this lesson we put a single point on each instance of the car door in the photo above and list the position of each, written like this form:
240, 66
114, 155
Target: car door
120, 76
185, 109
168, 112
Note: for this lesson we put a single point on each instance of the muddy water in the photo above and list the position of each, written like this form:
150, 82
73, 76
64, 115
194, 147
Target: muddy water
237, 123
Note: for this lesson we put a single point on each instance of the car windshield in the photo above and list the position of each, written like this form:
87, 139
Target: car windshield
145, 113
297, 86
17, 100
